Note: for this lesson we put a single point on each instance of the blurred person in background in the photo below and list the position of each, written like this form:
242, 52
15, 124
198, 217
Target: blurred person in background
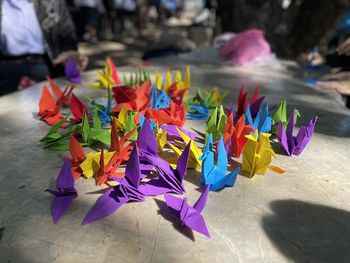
125, 12
91, 11
37, 38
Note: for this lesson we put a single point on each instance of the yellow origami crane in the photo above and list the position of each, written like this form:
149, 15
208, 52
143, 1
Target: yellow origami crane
181, 84
257, 155
91, 164
105, 78
121, 120
195, 153
161, 138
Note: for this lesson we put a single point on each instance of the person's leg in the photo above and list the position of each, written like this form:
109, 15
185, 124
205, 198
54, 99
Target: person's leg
11, 73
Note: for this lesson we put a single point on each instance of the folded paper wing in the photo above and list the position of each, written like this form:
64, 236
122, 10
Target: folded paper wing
189, 216
126, 191
64, 193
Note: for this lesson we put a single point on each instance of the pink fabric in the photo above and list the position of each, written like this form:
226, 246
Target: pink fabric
245, 47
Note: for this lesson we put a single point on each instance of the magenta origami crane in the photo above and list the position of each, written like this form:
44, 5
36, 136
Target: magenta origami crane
188, 215
127, 190
65, 192
295, 144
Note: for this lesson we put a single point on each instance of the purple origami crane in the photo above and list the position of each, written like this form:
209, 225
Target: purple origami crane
65, 192
72, 72
169, 179
295, 144
189, 216
173, 134
126, 191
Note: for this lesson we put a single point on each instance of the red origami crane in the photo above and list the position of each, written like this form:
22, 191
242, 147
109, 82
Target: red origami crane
254, 104
235, 135
122, 152
77, 156
176, 94
77, 108
49, 109
174, 115
135, 99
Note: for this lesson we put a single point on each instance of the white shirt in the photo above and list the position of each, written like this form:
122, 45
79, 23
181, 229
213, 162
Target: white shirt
20, 29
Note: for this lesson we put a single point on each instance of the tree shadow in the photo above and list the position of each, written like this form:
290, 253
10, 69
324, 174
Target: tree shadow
167, 215
306, 232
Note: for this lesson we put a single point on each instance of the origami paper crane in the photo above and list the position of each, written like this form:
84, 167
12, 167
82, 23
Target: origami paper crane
54, 140
174, 115
49, 109
77, 156
126, 191
215, 175
161, 138
197, 112
137, 78
109, 77
72, 72
195, 153
58, 92
169, 180
175, 93
262, 122
235, 136
103, 111
121, 152
295, 144
257, 155
173, 134
136, 99
216, 126
91, 164
77, 108
188, 215
254, 104
95, 133
212, 99
64, 193
159, 99
142, 120
281, 115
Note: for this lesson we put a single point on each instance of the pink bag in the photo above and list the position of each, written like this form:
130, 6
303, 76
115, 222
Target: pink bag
245, 47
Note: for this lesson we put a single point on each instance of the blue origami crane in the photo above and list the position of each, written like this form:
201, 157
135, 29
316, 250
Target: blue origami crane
215, 175
262, 121
159, 99
198, 112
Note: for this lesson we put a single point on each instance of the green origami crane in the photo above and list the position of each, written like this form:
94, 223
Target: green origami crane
281, 115
54, 140
212, 99
95, 133
137, 78
216, 127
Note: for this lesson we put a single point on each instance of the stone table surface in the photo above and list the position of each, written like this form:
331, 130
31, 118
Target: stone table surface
302, 215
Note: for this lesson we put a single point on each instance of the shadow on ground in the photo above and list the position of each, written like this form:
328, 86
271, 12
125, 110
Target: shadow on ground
306, 232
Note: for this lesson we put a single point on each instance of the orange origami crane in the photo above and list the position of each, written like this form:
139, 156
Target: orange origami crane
174, 115
57, 91
136, 99
77, 156
49, 109
121, 154
236, 135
